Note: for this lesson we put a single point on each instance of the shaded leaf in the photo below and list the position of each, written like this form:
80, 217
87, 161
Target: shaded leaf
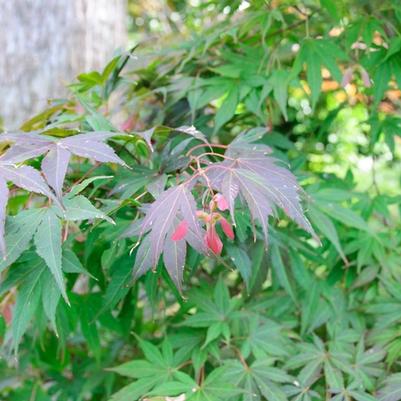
227, 110
391, 391
241, 261
50, 297
279, 81
119, 283
80, 208
27, 302
19, 232
48, 246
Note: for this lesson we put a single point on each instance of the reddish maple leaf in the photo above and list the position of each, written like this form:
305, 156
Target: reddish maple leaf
169, 224
58, 152
247, 175
257, 178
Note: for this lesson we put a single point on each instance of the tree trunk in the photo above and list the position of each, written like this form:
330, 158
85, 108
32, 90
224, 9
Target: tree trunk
45, 43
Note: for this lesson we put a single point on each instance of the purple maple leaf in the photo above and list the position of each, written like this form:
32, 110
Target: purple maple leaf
161, 220
247, 173
263, 184
25, 177
58, 152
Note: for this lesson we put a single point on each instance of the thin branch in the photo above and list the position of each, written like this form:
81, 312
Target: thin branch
202, 145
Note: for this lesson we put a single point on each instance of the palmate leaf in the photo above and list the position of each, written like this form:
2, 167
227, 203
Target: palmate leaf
255, 342
367, 365
333, 359
213, 309
173, 206
250, 174
247, 174
302, 390
316, 53
259, 379
28, 178
158, 368
177, 385
44, 226
215, 387
58, 152
54, 164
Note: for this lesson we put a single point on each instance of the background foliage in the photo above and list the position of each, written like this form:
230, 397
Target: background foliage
301, 321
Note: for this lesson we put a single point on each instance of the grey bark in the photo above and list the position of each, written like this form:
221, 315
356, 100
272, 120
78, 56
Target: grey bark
45, 43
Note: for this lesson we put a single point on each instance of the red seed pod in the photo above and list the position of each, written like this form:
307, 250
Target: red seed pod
213, 241
227, 228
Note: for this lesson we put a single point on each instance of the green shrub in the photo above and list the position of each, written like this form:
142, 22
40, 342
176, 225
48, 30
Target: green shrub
176, 260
